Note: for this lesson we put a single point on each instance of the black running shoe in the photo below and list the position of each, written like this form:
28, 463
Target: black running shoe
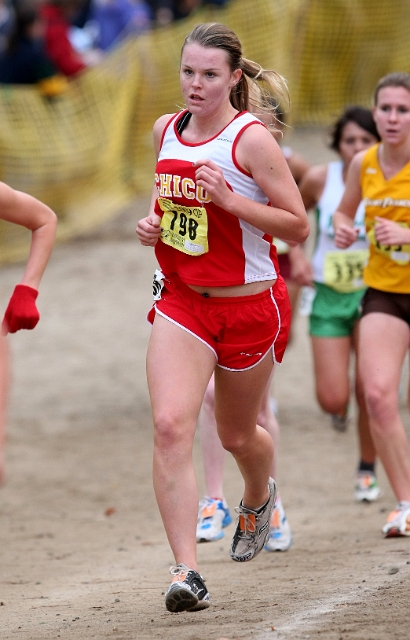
252, 529
187, 591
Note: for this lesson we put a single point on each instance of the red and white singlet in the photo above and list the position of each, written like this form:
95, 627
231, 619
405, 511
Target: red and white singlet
204, 244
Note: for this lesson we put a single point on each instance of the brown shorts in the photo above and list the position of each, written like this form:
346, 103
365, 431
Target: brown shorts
394, 304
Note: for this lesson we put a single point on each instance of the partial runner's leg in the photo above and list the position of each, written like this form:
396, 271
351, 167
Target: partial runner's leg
179, 367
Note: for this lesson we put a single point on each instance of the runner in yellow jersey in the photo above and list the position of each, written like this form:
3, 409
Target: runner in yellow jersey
381, 177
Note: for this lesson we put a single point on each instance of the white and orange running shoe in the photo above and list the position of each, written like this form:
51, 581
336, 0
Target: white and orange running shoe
252, 528
366, 488
280, 536
213, 516
398, 522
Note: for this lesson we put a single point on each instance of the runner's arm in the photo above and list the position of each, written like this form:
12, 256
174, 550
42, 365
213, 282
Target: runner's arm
25, 210
343, 218
149, 228
260, 155
312, 185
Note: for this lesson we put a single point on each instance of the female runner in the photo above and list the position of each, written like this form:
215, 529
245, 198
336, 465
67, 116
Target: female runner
222, 190
380, 176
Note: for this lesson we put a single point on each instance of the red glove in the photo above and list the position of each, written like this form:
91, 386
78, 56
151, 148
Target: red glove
21, 312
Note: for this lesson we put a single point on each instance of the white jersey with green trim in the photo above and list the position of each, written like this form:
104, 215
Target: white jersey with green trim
327, 205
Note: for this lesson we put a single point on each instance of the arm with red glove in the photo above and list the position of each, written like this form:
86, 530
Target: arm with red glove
21, 208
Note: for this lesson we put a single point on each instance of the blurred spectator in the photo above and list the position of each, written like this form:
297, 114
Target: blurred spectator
6, 22
83, 14
113, 20
162, 11
57, 15
24, 61
166, 11
218, 3
182, 8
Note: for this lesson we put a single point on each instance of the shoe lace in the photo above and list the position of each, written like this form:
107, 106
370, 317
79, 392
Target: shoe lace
205, 502
179, 570
247, 523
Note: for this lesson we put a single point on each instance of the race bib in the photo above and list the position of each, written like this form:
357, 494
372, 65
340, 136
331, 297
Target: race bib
157, 284
343, 270
399, 253
184, 228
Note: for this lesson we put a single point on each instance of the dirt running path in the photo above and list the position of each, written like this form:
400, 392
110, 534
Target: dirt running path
82, 550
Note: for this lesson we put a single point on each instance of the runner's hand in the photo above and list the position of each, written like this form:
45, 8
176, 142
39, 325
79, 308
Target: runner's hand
388, 232
300, 267
345, 235
149, 230
21, 312
211, 178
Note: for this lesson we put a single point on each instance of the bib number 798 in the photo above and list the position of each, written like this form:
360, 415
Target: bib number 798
183, 222
184, 228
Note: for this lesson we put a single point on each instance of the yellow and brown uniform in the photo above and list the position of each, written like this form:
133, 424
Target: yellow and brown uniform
388, 268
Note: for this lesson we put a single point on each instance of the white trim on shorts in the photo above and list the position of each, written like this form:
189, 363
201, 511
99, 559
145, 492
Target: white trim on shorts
279, 327
252, 365
271, 348
188, 331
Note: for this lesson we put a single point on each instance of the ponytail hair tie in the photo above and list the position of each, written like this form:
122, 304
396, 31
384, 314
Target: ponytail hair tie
259, 74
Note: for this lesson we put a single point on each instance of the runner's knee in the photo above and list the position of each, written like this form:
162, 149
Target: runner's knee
382, 406
171, 432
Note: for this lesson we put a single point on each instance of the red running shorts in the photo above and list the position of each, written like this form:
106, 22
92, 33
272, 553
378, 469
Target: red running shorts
240, 331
